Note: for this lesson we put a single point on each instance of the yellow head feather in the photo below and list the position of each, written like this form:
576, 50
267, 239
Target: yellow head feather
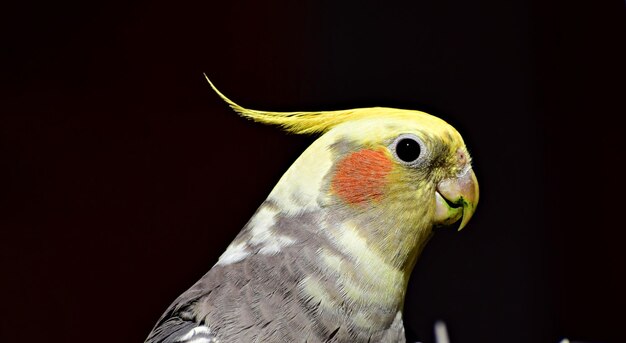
322, 121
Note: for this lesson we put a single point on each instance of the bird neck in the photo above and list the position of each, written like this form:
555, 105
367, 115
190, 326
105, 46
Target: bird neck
383, 256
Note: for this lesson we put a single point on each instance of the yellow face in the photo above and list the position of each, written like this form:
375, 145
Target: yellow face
391, 152
397, 173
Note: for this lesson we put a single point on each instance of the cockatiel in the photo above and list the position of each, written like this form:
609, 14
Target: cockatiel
327, 257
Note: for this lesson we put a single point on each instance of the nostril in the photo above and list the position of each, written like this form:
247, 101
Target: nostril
462, 157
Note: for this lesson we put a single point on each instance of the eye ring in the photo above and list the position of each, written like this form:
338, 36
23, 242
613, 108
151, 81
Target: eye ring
408, 149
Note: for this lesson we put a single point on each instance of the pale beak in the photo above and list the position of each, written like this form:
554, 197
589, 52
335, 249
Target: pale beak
456, 198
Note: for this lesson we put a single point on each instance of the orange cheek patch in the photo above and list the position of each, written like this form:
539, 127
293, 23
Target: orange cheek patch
362, 176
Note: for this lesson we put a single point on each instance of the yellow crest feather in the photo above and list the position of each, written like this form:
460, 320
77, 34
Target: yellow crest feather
296, 122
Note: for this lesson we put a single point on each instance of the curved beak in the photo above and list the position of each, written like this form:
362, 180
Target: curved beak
456, 198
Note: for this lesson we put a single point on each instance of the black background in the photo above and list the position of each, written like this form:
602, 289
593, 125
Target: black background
123, 176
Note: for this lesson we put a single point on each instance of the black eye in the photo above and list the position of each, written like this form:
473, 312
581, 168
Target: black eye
408, 149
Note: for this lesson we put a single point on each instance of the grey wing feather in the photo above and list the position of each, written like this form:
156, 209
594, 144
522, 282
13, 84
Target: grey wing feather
178, 326
171, 330
178, 330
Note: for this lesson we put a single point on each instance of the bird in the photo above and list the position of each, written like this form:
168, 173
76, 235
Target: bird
328, 255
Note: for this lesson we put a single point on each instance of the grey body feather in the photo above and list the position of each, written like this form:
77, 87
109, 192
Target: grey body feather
259, 298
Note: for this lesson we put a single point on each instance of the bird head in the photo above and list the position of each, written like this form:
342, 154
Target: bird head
387, 175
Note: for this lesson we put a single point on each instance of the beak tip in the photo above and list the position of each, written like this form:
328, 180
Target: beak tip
464, 222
